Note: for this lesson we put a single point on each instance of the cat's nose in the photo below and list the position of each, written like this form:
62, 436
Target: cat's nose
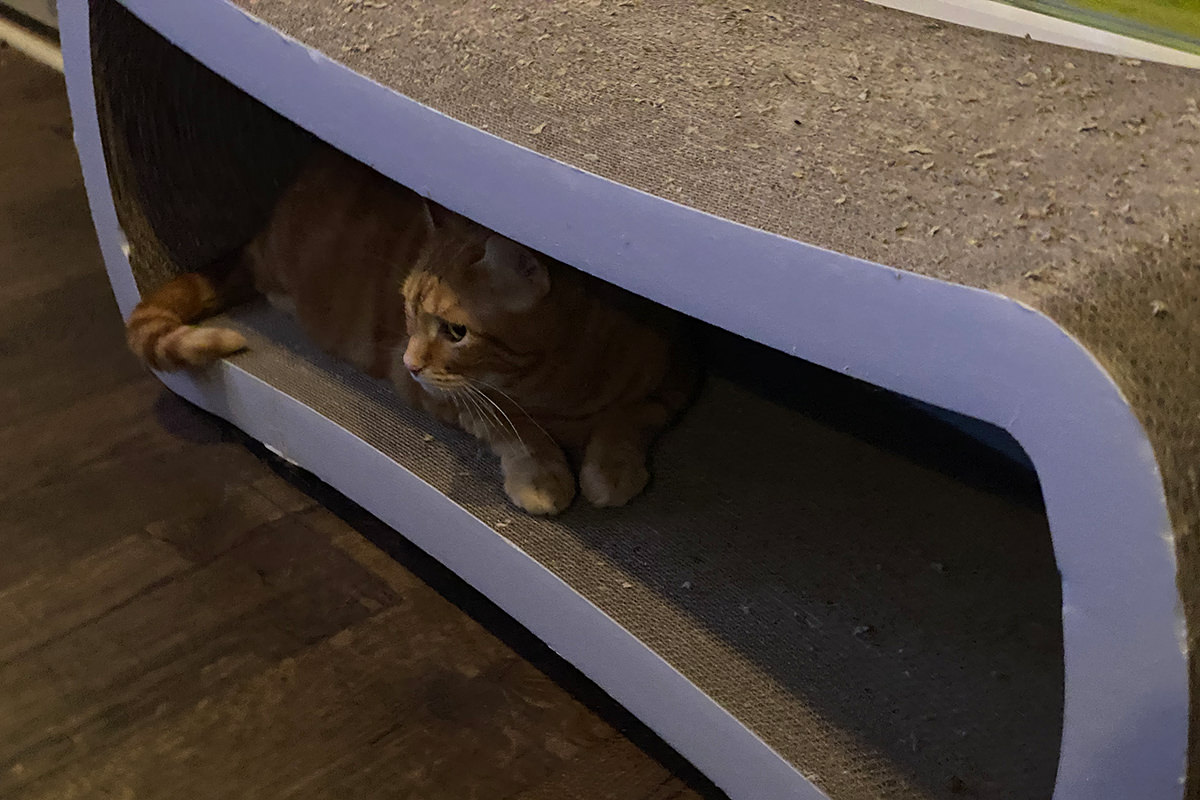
414, 368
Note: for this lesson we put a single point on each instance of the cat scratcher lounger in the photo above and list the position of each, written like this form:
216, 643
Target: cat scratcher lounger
997, 227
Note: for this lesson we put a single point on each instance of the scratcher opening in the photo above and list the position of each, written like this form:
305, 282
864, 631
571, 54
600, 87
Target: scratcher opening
868, 589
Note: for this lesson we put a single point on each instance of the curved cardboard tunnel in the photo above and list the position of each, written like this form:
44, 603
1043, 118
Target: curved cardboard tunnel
824, 592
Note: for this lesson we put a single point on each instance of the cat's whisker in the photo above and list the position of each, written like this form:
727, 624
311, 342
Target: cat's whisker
478, 412
508, 420
457, 404
467, 408
498, 410
473, 393
516, 405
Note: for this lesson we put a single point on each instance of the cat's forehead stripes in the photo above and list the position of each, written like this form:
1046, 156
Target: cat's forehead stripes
441, 301
413, 291
428, 294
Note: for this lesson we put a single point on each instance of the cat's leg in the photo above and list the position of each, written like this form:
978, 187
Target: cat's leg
614, 467
537, 477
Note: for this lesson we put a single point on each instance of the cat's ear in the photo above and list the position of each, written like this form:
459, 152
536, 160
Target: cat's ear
517, 276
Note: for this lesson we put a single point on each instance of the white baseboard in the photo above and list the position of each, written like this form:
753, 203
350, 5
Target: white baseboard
37, 47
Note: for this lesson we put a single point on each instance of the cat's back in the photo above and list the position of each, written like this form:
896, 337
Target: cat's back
337, 210
335, 252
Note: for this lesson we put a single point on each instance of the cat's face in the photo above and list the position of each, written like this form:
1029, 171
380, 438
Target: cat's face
469, 316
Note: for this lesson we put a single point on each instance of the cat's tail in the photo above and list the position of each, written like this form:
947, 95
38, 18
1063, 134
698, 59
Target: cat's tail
160, 330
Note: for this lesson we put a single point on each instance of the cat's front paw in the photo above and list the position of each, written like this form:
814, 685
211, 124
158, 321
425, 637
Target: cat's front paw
539, 488
613, 476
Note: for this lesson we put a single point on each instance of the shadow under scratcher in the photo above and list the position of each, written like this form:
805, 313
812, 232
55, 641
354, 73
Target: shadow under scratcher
806, 554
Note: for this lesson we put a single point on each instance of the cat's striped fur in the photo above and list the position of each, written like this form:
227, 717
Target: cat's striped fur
158, 330
548, 365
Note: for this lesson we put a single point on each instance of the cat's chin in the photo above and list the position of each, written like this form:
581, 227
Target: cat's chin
441, 388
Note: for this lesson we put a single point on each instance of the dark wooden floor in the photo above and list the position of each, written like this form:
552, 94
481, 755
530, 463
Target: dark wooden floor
181, 618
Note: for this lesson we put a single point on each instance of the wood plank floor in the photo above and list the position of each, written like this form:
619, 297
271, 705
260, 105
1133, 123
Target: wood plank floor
181, 617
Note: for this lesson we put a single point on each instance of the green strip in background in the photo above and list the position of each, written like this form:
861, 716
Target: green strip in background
1173, 23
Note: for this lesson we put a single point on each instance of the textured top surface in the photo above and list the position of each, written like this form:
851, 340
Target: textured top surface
951, 152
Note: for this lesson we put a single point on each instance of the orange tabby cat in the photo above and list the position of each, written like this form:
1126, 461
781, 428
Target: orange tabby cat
527, 354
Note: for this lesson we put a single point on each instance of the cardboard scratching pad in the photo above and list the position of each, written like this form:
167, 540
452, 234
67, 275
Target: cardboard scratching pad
993, 226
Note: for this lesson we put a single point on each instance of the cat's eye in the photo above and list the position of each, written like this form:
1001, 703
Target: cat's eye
454, 333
